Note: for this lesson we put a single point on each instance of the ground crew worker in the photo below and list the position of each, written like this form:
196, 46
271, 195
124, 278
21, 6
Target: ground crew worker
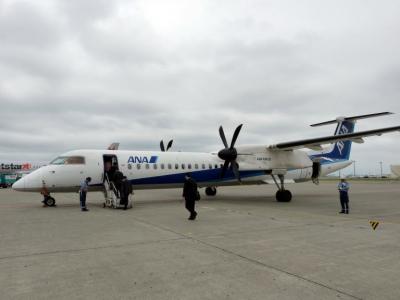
343, 188
83, 191
190, 194
126, 190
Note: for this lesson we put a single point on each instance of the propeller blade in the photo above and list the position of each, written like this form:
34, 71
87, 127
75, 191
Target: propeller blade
224, 168
169, 144
235, 135
222, 135
235, 169
162, 146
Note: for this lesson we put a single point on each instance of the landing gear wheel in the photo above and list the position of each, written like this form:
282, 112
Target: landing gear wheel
50, 201
211, 191
283, 196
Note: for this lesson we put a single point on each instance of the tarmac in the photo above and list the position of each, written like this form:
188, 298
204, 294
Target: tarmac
244, 245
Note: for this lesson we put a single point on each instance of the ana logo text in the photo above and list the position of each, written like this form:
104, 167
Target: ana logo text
142, 159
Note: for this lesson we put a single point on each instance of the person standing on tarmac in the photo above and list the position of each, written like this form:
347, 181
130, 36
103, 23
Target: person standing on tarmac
343, 188
126, 190
190, 194
83, 191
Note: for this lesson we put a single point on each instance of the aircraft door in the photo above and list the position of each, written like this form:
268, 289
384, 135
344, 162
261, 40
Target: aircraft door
110, 166
316, 171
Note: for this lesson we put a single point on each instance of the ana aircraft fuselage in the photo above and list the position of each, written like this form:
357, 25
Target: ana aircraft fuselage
151, 170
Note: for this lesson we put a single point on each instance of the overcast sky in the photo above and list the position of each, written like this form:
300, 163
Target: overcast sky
85, 73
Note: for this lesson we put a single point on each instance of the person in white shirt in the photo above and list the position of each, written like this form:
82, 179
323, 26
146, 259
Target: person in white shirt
83, 191
343, 188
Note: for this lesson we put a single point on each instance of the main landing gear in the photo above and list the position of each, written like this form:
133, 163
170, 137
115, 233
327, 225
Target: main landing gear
282, 195
211, 191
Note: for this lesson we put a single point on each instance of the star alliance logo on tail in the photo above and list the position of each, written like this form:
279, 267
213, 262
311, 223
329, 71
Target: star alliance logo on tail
142, 159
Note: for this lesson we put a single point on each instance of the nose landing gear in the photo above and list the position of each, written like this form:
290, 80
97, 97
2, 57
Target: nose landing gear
49, 201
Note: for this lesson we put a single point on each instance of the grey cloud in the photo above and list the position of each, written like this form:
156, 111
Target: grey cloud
25, 25
80, 13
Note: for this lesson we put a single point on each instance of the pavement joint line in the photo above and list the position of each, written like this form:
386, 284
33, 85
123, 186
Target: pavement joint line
257, 230
252, 260
91, 248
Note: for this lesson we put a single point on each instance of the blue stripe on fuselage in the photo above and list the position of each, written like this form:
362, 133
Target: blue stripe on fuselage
200, 176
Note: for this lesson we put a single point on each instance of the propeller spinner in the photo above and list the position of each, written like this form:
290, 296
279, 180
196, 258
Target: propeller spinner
229, 153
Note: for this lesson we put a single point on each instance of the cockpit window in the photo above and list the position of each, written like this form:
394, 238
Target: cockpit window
69, 160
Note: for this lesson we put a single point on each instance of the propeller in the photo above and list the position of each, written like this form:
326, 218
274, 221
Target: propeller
168, 146
229, 153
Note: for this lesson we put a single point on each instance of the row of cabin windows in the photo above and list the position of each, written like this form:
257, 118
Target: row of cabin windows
178, 166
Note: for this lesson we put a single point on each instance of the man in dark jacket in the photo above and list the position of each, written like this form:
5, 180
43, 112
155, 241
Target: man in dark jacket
190, 195
117, 180
126, 190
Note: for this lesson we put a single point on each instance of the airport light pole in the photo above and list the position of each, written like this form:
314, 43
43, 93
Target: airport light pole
381, 168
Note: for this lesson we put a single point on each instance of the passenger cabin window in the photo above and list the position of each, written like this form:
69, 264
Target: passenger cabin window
183, 166
138, 166
169, 166
155, 166
203, 166
216, 166
189, 166
147, 166
69, 160
176, 166
162, 166
210, 166
196, 166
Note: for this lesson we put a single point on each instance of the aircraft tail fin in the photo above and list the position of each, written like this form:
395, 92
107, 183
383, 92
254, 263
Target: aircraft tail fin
342, 149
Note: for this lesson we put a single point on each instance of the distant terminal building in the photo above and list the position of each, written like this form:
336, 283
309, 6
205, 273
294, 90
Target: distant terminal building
395, 170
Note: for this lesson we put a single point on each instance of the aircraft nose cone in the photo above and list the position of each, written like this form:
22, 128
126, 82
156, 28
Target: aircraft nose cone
19, 185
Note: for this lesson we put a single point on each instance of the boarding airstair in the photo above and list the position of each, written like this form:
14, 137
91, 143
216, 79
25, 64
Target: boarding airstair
112, 197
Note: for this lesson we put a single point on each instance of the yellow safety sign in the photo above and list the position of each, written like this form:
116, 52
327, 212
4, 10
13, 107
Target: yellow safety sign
374, 224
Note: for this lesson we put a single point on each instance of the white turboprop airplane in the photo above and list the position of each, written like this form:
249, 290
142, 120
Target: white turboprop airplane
260, 164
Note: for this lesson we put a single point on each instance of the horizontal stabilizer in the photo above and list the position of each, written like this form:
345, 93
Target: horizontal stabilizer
316, 142
354, 118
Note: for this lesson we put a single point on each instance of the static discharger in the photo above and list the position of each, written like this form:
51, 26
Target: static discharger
374, 224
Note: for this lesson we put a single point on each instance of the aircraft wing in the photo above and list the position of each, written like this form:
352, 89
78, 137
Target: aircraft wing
316, 143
